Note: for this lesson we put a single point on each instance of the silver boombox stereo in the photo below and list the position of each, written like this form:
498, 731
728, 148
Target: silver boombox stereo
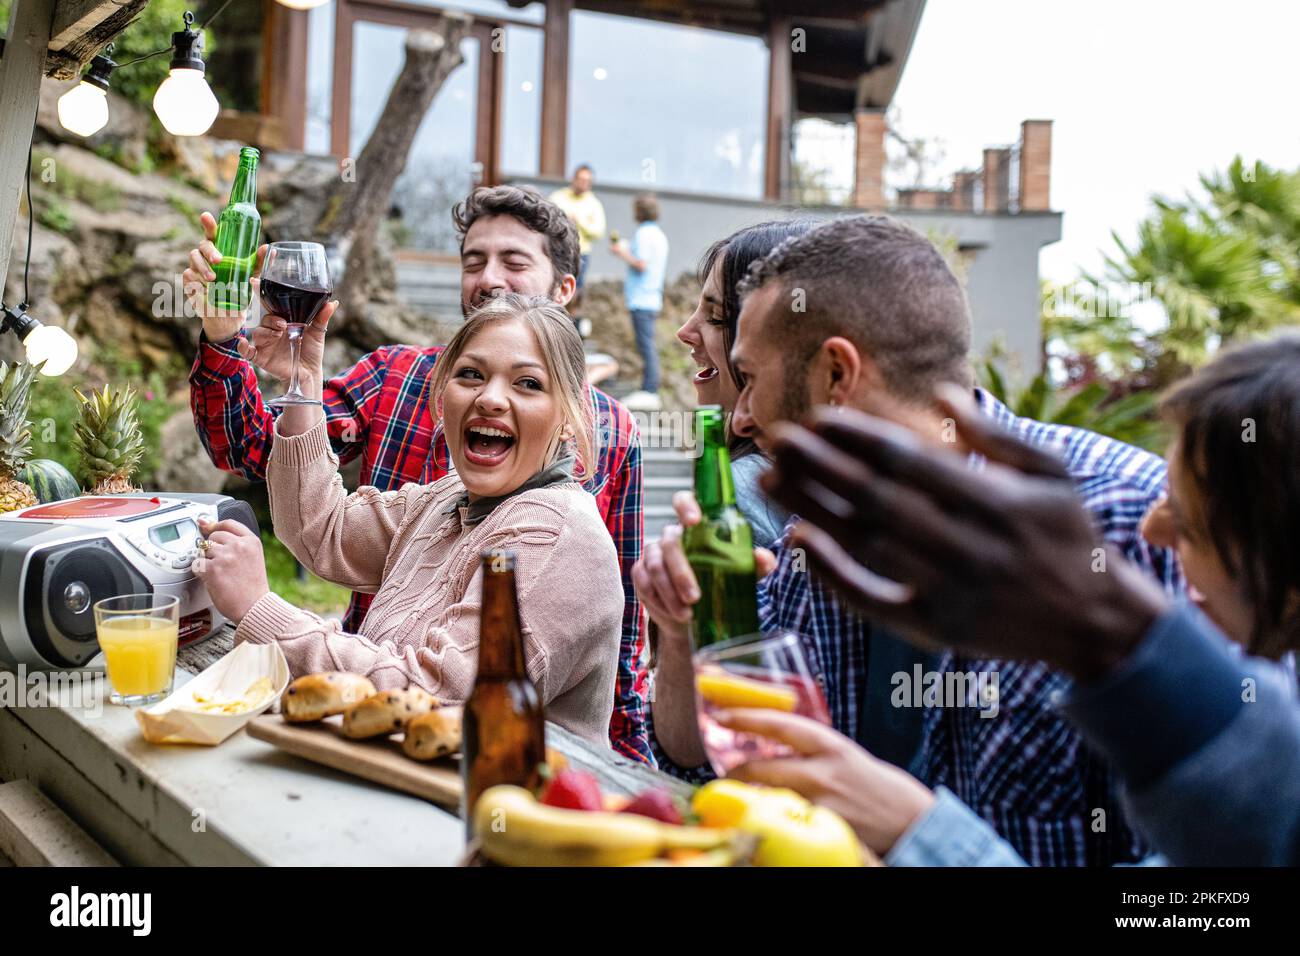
58, 559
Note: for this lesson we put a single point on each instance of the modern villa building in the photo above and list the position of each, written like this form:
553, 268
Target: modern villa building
715, 105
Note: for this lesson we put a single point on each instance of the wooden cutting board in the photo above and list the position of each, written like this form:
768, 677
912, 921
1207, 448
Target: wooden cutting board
379, 761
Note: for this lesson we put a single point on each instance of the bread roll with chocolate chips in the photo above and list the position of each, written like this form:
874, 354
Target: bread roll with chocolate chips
432, 735
317, 696
386, 712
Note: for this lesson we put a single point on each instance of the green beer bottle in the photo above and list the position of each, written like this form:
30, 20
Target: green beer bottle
239, 229
721, 547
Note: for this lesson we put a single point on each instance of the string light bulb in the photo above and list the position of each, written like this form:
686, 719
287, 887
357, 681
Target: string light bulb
185, 104
84, 108
303, 4
46, 344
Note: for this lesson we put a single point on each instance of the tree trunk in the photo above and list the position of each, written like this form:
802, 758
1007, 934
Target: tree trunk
361, 199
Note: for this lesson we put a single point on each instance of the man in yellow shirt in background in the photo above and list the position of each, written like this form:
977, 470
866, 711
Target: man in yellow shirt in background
587, 213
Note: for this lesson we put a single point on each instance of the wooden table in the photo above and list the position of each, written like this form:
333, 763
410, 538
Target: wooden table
243, 802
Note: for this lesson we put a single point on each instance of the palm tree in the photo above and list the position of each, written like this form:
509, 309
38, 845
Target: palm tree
1263, 202
1225, 267
1097, 405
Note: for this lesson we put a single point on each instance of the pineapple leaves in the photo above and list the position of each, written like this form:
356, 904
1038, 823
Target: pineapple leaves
108, 439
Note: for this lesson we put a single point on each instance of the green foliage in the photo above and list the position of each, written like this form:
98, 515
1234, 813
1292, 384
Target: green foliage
95, 193
115, 153
151, 30
1074, 317
53, 214
1225, 265
311, 593
1094, 405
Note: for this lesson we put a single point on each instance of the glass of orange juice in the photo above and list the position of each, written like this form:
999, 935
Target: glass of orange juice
138, 634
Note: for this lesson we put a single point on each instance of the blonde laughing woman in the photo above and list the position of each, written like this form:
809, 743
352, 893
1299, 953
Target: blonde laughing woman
512, 395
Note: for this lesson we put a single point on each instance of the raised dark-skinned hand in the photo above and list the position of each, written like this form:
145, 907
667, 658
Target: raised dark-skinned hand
1002, 561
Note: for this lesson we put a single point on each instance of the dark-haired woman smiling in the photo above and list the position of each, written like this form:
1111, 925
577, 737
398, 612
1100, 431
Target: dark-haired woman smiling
709, 332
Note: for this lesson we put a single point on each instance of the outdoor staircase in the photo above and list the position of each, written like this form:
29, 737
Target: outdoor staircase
431, 284
666, 468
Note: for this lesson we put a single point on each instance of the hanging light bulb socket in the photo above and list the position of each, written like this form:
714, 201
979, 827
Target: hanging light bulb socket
184, 103
101, 68
18, 321
83, 109
187, 47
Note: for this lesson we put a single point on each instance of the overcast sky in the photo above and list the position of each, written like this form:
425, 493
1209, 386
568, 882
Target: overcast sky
1145, 94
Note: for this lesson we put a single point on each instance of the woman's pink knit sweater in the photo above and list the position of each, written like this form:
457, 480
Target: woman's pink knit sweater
412, 549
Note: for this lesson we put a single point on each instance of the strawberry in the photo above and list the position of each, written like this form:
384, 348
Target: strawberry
657, 805
573, 790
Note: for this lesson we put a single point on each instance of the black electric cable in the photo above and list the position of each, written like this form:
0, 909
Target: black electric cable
31, 208
167, 49
27, 253
147, 56
204, 24
31, 218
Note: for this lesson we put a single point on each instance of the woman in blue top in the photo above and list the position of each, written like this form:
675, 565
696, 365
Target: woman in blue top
709, 332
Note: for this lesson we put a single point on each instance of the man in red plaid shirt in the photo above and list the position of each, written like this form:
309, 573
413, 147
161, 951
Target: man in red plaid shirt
512, 240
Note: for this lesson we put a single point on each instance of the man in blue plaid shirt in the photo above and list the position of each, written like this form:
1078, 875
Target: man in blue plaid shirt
864, 312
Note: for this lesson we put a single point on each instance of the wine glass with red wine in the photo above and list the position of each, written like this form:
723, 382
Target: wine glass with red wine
295, 285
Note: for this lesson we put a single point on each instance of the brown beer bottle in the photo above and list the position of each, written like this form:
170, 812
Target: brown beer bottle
504, 724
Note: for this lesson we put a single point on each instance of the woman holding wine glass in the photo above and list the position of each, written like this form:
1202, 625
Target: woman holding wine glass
511, 393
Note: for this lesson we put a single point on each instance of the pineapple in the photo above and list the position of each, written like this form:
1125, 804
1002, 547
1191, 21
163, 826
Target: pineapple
15, 435
109, 441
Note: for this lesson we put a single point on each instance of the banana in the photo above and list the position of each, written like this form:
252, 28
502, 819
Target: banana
515, 830
739, 851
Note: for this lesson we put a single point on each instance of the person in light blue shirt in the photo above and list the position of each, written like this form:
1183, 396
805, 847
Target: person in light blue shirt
643, 291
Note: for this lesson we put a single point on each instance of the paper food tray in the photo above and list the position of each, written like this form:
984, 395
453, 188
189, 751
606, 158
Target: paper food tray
229, 678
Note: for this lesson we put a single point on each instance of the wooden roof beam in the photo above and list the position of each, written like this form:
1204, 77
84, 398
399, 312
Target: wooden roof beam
856, 12
82, 28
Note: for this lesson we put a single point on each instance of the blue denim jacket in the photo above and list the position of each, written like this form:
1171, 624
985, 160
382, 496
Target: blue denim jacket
951, 834
1208, 743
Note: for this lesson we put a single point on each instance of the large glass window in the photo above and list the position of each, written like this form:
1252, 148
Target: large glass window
821, 165
440, 169
667, 106
320, 78
521, 116
235, 61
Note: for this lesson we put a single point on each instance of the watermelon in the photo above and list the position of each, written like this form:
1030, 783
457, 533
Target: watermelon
49, 480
